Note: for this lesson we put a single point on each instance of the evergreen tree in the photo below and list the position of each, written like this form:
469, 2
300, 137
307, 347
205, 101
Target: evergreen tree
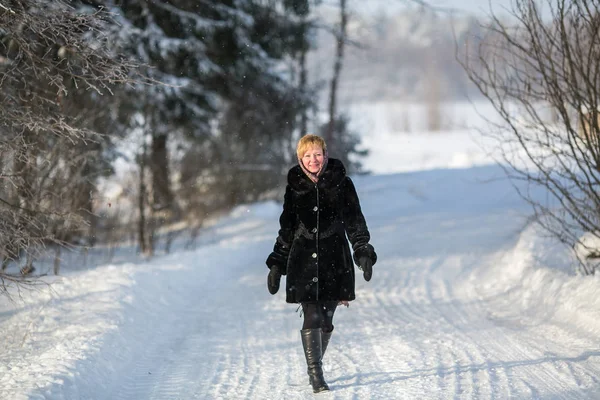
220, 91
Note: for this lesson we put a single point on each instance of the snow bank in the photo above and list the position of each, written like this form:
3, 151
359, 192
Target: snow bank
537, 279
45, 332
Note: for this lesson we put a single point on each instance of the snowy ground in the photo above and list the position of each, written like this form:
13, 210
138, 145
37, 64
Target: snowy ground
467, 301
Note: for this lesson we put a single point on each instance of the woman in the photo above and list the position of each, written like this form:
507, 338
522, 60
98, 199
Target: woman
320, 208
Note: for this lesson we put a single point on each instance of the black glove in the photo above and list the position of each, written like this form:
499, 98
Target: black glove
366, 265
273, 279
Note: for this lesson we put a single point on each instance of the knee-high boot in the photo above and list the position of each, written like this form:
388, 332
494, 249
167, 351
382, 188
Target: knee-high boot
313, 351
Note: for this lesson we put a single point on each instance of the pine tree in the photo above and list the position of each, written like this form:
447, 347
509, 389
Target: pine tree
219, 84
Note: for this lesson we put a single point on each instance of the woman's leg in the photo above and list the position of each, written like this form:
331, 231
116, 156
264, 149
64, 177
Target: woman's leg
311, 334
319, 315
313, 315
328, 309
327, 325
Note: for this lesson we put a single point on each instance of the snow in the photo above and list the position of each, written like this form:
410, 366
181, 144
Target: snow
398, 136
468, 301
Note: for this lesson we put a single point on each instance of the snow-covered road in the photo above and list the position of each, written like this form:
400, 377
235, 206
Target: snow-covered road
461, 306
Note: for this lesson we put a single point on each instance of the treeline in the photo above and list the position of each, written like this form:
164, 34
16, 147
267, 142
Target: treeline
208, 96
409, 55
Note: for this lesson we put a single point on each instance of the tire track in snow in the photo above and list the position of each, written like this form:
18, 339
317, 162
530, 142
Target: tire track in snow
559, 371
456, 358
472, 360
375, 360
347, 363
252, 383
464, 355
468, 319
394, 311
457, 352
579, 369
186, 365
416, 312
424, 323
478, 383
189, 354
145, 368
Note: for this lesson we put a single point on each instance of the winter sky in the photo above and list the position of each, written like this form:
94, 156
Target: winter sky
476, 7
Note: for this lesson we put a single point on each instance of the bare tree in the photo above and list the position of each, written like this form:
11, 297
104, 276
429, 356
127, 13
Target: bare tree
542, 75
52, 60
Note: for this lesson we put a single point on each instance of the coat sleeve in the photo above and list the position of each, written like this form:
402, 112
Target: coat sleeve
355, 224
287, 222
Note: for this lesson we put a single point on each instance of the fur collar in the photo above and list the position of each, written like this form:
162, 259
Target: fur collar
333, 175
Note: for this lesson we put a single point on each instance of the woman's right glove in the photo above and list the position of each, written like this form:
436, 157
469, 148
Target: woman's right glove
273, 279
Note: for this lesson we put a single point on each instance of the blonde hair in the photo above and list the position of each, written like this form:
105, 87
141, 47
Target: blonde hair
307, 141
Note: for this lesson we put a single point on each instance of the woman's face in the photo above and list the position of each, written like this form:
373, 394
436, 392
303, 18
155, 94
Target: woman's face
313, 159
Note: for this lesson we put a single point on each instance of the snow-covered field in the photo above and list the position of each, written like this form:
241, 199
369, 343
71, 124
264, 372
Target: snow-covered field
398, 137
467, 301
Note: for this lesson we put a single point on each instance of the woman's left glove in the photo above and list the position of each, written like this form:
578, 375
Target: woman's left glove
273, 279
366, 265
365, 257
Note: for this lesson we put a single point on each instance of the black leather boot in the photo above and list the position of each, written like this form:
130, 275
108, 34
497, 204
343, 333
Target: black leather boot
313, 351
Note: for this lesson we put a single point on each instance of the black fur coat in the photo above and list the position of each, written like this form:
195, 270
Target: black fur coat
312, 246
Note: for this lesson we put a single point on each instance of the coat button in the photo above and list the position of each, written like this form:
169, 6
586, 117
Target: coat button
314, 230
315, 279
314, 255
315, 208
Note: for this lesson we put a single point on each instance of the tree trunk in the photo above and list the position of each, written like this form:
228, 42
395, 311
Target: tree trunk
302, 87
162, 198
57, 260
142, 202
337, 69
